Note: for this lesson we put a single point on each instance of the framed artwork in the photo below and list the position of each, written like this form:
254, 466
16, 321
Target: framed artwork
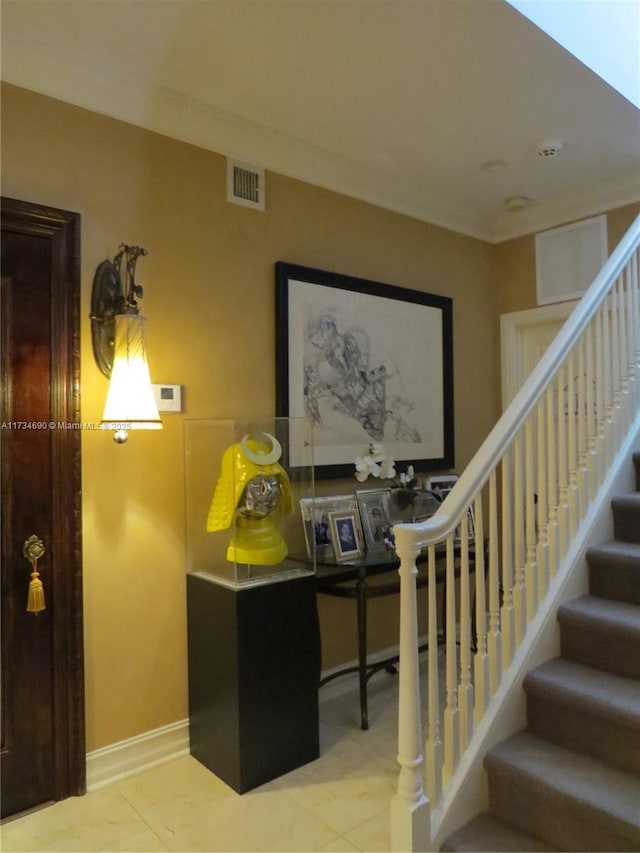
347, 541
316, 521
376, 520
364, 362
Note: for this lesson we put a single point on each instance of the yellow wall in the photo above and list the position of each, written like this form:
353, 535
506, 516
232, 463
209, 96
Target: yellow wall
209, 297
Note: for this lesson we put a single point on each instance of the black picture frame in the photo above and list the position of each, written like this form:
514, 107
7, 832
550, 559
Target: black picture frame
365, 362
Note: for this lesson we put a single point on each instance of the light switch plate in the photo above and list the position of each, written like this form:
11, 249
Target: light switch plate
168, 397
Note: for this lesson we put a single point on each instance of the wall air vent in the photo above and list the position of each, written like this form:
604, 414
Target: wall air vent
245, 185
569, 258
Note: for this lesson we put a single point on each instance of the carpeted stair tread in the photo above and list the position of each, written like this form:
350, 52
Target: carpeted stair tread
487, 834
601, 633
614, 570
615, 548
590, 606
536, 782
571, 781
606, 694
626, 517
586, 709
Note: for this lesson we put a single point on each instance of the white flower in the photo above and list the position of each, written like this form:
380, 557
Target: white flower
376, 463
366, 466
362, 464
405, 479
388, 470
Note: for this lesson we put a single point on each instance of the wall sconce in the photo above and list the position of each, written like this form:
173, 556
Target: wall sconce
118, 338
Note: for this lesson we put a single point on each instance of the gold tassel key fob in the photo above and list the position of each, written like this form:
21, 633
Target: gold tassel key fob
33, 549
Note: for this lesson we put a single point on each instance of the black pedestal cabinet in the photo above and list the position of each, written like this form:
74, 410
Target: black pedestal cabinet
254, 667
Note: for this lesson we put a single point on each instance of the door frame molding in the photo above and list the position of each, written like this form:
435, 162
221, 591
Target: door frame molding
512, 328
62, 229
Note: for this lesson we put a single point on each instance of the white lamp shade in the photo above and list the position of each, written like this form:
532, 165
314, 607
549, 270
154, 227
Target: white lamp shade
130, 401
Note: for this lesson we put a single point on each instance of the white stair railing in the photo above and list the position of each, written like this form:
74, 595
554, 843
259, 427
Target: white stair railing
527, 488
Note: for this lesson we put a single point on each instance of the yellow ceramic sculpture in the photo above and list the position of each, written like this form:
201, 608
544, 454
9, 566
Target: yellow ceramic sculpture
252, 494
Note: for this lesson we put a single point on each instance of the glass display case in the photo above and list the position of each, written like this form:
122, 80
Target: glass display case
252, 623
244, 480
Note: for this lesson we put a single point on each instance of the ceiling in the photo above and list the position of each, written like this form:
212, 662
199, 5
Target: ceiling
396, 102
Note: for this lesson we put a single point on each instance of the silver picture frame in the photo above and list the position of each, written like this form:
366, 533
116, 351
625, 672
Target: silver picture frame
316, 521
346, 536
376, 521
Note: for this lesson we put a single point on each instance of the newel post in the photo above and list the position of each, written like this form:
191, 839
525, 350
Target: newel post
410, 809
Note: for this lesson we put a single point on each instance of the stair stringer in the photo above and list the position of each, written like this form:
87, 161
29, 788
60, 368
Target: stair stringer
467, 792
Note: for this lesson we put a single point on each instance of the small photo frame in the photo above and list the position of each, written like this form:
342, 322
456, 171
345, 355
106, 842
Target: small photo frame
345, 534
316, 521
441, 485
376, 520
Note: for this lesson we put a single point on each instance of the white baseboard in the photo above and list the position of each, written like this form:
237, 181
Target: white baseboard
126, 757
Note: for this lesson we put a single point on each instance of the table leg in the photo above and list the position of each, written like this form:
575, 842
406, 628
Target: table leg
361, 587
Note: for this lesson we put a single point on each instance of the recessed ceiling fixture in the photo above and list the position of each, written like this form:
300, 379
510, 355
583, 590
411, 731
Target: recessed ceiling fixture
493, 165
516, 203
549, 148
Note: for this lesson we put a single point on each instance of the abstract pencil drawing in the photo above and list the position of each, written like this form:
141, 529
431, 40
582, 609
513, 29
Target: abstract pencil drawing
342, 375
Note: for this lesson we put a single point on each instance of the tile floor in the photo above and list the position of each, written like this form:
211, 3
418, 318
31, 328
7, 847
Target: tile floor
339, 802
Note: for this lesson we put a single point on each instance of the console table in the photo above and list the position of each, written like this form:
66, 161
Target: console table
350, 580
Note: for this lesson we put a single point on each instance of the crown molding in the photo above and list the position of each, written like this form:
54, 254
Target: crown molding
40, 68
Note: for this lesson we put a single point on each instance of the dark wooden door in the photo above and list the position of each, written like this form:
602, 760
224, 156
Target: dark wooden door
42, 754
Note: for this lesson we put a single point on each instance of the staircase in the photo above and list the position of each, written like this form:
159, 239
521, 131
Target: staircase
571, 780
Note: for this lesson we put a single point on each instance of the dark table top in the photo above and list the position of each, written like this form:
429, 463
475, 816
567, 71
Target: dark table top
334, 573
327, 573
